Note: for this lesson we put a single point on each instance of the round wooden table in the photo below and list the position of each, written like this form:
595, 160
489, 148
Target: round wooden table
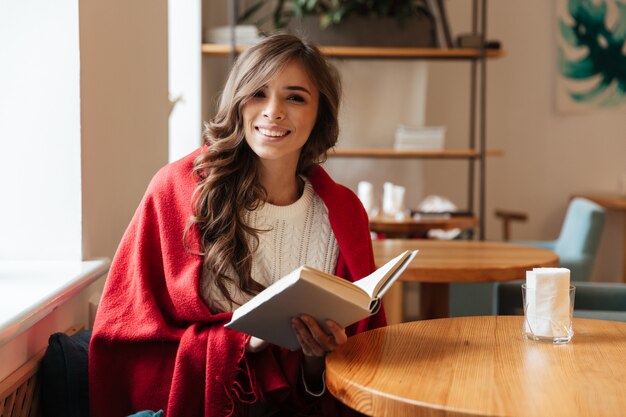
440, 262
481, 366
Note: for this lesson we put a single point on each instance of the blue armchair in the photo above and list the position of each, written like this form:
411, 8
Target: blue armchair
579, 239
577, 246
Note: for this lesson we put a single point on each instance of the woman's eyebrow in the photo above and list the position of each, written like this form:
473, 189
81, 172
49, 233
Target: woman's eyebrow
298, 88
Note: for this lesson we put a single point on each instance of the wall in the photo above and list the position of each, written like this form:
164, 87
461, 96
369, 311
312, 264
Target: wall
124, 113
370, 113
548, 156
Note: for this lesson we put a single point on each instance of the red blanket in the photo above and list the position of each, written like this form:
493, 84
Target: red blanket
155, 344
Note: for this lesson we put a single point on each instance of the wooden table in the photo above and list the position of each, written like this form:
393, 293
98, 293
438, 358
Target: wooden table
441, 262
406, 227
481, 366
611, 201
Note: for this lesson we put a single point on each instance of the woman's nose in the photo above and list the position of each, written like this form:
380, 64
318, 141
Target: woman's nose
274, 110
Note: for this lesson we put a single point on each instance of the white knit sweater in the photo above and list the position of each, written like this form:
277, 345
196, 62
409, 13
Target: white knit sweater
294, 235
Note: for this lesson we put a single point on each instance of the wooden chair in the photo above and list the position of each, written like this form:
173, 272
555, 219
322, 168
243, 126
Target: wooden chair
507, 217
20, 391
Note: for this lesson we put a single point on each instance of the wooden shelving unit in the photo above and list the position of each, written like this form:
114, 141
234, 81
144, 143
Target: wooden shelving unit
355, 52
476, 152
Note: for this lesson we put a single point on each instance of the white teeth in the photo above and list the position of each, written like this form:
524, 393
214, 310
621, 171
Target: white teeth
272, 133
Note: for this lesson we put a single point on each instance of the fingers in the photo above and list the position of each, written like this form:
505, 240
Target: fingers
313, 339
339, 333
308, 343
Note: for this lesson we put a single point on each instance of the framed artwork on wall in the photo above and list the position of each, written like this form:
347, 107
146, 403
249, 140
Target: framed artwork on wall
591, 54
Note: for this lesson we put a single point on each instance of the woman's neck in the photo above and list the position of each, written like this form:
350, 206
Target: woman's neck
282, 189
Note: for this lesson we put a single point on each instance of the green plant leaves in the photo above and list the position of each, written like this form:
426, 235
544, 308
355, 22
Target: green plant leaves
333, 12
604, 57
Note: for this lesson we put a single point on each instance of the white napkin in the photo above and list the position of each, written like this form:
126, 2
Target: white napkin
548, 302
365, 191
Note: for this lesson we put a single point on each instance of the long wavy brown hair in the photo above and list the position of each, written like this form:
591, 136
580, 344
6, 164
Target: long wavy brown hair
227, 173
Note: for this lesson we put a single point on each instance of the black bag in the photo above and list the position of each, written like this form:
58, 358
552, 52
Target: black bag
64, 376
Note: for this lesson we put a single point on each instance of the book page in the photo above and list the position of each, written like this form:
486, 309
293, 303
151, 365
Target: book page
374, 284
383, 286
339, 286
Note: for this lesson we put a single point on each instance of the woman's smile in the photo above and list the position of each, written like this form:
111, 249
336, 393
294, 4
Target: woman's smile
273, 131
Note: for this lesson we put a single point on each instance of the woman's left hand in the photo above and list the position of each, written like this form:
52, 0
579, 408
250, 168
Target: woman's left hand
314, 340
316, 343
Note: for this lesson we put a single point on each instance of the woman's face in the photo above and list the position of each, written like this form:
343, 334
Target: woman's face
279, 118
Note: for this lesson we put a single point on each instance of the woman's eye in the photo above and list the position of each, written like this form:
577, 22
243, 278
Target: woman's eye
296, 98
259, 93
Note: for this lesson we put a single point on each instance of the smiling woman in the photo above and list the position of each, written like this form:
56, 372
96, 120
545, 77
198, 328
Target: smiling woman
217, 227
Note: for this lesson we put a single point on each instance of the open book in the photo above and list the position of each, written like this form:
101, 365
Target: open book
323, 296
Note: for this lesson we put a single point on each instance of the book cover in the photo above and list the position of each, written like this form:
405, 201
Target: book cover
324, 296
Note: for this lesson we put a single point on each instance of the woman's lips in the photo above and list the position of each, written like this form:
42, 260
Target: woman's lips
273, 132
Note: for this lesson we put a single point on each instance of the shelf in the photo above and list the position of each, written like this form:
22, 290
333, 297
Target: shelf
395, 154
404, 228
213, 49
